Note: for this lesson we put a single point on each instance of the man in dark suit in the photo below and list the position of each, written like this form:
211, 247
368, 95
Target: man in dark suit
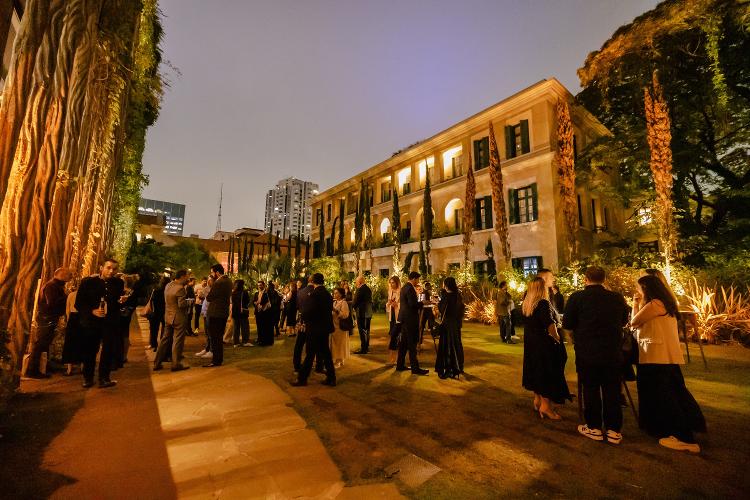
299, 344
362, 305
98, 305
408, 316
317, 314
218, 299
596, 316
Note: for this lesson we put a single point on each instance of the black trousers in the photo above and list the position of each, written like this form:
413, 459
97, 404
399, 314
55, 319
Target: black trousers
506, 332
241, 329
409, 341
92, 338
43, 337
155, 322
317, 347
197, 315
363, 325
299, 346
601, 395
426, 319
216, 327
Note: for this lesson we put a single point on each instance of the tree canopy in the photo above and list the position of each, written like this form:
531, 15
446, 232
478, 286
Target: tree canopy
699, 50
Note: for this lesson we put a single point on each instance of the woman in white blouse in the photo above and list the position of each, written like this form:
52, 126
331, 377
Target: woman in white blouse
392, 307
667, 410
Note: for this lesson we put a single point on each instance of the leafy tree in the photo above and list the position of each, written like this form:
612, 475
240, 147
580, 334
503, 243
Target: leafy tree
699, 49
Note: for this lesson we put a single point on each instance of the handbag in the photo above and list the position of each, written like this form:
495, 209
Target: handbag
346, 324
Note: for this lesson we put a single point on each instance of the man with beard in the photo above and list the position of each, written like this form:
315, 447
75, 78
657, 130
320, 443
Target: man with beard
98, 305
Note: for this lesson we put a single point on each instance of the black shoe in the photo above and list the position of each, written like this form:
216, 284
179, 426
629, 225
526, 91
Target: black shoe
211, 365
88, 383
420, 371
402, 368
299, 383
103, 384
320, 370
180, 368
157, 368
329, 381
37, 375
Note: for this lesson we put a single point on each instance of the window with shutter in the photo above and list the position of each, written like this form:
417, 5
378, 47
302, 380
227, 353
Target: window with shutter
512, 206
529, 266
510, 145
481, 153
525, 143
593, 215
580, 210
525, 209
458, 219
478, 213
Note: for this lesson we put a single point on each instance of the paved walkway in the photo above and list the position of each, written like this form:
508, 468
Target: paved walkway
197, 434
231, 434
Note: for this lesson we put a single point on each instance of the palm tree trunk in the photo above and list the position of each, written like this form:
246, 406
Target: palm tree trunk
498, 200
566, 177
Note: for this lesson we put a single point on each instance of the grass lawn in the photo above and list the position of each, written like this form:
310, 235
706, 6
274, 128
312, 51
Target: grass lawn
482, 431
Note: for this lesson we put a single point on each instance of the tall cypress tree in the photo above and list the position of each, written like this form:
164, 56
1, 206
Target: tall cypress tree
396, 233
427, 218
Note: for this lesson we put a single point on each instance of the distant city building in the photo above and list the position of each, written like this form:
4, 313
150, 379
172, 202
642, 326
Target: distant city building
173, 213
288, 209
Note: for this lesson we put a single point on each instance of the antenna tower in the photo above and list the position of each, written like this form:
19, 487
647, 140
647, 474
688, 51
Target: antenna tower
221, 198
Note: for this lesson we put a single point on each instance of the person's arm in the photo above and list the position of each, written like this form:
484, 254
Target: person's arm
181, 296
213, 293
356, 298
647, 312
547, 315
570, 316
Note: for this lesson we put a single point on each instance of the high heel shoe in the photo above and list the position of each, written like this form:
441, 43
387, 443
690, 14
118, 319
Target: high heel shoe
552, 415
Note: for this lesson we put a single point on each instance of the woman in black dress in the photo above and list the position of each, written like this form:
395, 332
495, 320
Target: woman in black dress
391, 309
71, 354
240, 314
449, 361
543, 371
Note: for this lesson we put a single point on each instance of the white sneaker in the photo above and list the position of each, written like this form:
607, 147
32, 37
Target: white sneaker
199, 354
673, 443
207, 355
594, 434
614, 437
248, 344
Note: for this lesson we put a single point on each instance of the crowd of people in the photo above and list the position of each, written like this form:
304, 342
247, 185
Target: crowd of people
599, 323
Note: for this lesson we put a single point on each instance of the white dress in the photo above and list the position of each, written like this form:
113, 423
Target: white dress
340, 338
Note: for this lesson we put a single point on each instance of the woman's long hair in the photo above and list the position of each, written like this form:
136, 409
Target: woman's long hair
239, 285
450, 284
536, 291
655, 272
654, 289
395, 279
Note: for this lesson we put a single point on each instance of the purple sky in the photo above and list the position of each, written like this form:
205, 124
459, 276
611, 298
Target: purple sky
321, 90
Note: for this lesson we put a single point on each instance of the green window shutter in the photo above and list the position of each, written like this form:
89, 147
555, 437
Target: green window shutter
539, 262
510, 144
478, 213
525, 145
477, 155
516, 263
534, 201
484, 147
487, 212
512, 206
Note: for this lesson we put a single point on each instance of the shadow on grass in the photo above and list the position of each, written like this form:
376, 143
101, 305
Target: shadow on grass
29, 424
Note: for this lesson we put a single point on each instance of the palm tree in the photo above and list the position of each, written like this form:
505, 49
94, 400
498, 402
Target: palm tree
498, 199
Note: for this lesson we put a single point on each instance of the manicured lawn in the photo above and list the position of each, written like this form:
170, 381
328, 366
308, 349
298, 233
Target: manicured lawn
482, 432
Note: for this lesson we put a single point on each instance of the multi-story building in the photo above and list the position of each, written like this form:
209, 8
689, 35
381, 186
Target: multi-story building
288, 209
11, 12
173, 214
525, 128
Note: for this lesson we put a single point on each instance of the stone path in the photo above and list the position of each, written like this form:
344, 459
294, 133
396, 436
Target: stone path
232, 434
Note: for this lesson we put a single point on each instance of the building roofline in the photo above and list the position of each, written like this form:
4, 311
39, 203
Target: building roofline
551, 83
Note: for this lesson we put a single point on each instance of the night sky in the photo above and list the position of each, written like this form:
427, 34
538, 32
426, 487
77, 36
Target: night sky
322, 90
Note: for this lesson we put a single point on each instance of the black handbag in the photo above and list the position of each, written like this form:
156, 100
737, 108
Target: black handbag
629, 347
346, 324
